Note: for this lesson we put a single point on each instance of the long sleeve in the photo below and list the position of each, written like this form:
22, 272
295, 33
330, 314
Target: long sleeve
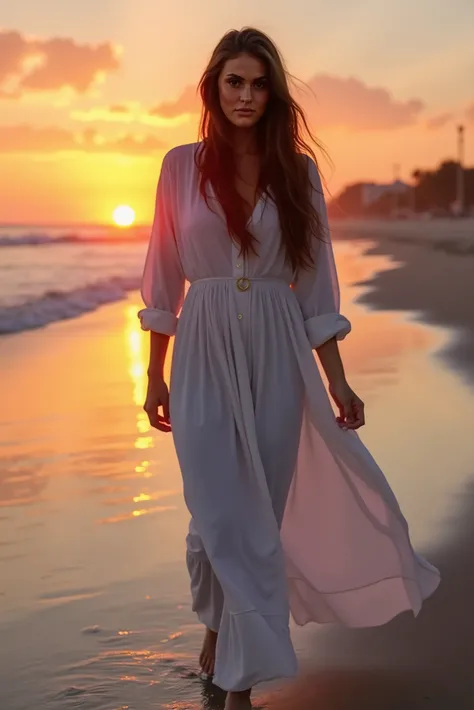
317, 289
163, 279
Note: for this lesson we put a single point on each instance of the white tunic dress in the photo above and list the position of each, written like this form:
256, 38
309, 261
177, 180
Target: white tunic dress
289, 512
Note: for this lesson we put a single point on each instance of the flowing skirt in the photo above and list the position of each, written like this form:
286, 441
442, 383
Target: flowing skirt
289, 512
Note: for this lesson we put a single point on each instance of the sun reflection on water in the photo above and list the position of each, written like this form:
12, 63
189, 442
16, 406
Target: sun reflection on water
137, 374
139, 503
136, 514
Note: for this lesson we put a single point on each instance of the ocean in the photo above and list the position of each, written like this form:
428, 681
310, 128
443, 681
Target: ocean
53, 273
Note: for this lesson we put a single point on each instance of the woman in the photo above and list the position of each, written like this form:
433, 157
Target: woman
289, 510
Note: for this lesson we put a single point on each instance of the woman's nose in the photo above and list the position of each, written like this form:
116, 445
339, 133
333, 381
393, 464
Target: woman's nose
246, 94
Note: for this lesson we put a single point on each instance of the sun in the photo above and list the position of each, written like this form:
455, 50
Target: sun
123, 216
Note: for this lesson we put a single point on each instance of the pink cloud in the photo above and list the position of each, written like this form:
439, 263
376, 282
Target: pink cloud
187, 102
339, 102
23, 139
439, 121
27, 139
52, 64
348, 102
13, 50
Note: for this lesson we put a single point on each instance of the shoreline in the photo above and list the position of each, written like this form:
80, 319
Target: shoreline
421, 230
432, 278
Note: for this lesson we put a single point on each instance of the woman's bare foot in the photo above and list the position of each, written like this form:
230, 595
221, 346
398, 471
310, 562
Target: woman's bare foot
207, 658
238, 701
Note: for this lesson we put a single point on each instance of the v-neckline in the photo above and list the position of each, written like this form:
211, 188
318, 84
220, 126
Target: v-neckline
253, 213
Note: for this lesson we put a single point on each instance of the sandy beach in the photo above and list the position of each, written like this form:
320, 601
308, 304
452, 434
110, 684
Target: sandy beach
432, 275
94, 600
427, 662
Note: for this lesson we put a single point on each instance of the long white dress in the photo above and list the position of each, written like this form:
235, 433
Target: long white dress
289, 512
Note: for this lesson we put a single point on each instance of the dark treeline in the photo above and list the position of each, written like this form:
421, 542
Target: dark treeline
432, 191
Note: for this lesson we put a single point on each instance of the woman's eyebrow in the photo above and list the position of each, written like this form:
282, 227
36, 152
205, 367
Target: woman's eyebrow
236, 76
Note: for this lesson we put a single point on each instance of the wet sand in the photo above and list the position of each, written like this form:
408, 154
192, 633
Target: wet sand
425, 662
433, 275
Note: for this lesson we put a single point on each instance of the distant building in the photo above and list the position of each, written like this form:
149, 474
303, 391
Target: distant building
439, 192
371, 192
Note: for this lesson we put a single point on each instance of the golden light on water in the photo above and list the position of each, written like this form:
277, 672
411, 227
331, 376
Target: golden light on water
142, 497
123, 216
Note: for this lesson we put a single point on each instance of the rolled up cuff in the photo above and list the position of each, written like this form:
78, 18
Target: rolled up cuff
320, 329
158, 321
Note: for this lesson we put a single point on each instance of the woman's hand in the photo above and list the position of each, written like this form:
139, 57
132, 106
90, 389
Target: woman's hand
351, 407
158, 396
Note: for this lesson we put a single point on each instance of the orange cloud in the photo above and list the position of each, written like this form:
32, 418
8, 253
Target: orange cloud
119, 108
129, 113
133, 145
439, 121
52, 64
27, 139
350, 103
120, 113
167, 114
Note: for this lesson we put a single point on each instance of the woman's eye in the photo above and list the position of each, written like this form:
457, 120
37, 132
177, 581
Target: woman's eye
234, 82
260, 84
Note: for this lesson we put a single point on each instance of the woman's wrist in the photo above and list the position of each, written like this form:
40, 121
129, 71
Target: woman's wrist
158, 348
330, 359
155, 373
338, 380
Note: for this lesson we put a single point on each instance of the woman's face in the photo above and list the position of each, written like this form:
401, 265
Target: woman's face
243, 90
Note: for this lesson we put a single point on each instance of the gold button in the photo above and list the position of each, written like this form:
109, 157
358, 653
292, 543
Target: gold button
238, 264
243, 284
240, 316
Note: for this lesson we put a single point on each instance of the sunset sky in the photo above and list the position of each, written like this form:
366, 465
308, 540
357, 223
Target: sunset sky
93, 93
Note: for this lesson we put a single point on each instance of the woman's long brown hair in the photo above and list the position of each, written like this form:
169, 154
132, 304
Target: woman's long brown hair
284, 174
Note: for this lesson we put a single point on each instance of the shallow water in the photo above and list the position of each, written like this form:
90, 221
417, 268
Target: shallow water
48, 274
94, 601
